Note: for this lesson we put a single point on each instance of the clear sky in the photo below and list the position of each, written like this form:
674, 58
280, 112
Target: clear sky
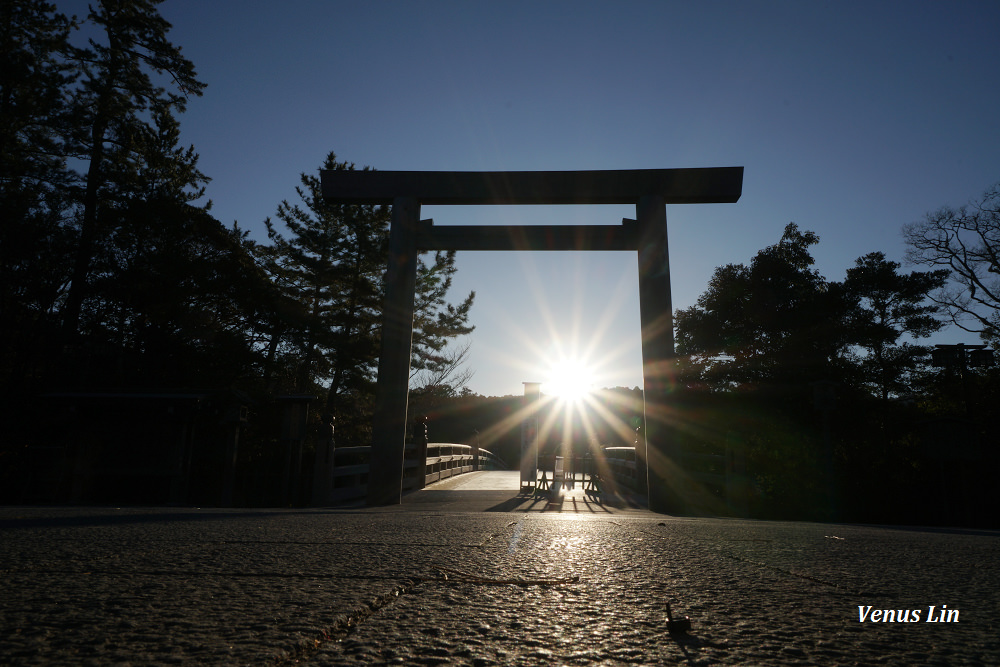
850, 118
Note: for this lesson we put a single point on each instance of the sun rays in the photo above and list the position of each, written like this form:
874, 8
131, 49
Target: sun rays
570, 346
569, 380
558, 335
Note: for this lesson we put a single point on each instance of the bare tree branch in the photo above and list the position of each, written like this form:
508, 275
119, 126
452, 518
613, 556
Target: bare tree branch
966, 241
449, 372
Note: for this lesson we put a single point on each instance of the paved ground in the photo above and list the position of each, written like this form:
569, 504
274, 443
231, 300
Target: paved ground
482, 577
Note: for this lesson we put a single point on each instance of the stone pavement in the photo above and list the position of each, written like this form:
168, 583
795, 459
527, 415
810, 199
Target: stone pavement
483, 577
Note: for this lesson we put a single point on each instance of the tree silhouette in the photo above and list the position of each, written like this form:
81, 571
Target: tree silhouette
776, 322
125, 128
887, 305
332, 264
436, 323
150, 288
966, 242
35, 183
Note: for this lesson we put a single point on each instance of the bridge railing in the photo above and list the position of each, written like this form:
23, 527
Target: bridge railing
444, 460
623, 466
722, 476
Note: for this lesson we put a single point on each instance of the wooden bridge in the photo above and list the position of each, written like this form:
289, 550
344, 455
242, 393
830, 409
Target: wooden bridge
347, 479
614, 476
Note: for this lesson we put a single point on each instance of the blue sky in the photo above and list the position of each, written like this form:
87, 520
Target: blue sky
850, 118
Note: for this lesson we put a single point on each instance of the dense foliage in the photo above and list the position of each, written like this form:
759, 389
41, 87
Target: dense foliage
820, 395
827, 389
113, 275
116, 278
331, 267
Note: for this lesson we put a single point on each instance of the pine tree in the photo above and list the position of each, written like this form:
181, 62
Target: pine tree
34, 82
122, 111
436, 366
333, 263
886, 305
35, 244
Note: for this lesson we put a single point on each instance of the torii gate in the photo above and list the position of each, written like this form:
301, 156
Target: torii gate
649, 189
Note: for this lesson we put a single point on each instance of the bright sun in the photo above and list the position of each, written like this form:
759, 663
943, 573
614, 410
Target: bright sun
569, 380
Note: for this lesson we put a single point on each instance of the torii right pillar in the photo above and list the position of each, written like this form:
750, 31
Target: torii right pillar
663, 477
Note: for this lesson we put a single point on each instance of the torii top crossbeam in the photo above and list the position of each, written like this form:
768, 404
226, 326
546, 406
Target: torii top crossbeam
715, 185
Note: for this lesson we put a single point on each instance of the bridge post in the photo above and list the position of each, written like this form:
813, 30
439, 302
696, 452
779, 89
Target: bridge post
326, 460
421, 439
656, 320
385, 477
475, 453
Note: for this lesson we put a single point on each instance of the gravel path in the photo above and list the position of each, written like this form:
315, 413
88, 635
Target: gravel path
430, 584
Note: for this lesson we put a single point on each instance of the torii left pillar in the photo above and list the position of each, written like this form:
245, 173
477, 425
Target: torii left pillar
657, 446
385, 479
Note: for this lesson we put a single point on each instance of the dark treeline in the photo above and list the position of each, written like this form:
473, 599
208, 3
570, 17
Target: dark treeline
115, 276
841, 410
826, 388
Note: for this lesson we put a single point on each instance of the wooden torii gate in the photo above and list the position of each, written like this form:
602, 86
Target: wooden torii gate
649, 189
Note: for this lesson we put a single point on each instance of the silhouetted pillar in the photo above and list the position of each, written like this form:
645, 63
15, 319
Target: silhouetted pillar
385, 477
656, 320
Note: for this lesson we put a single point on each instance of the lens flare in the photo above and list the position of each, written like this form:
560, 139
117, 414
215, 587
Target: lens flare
569, 380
